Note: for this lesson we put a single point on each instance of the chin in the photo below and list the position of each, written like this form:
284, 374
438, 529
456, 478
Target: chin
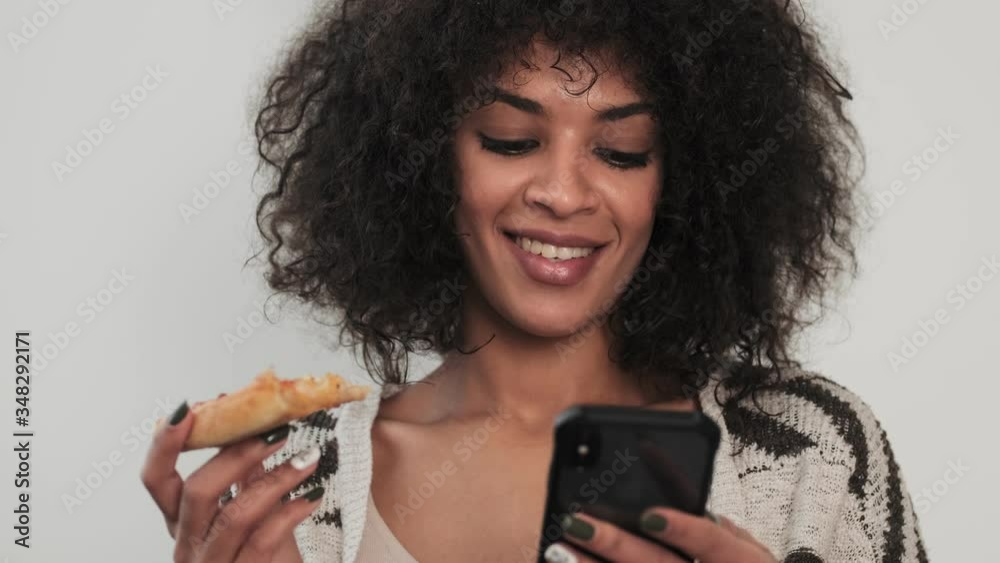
554, 323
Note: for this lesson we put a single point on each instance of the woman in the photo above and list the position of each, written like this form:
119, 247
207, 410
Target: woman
626, 203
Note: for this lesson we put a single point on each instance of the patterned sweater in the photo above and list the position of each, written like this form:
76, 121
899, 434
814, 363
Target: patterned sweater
817, 483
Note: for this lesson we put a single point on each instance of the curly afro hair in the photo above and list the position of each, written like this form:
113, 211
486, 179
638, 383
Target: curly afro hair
757, 209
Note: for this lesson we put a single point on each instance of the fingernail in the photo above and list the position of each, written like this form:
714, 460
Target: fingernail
179, 414
577, 528
306, 458
276, 435
556, 553
653, 523
314, 494
229, 495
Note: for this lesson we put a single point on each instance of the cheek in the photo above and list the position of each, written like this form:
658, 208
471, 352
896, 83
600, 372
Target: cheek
473, 195
478, 207
634, 206
485, 190
475, 217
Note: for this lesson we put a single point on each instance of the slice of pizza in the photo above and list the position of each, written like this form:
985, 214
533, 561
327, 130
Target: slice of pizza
267, 402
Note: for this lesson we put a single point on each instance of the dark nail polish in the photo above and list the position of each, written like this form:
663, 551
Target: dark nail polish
577, 528
314, 494
179, 414
276, 435
653, 523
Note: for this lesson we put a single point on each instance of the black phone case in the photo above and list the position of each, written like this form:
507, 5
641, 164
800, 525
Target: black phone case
635, 466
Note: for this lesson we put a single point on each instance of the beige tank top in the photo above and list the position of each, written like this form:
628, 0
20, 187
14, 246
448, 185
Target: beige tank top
378, 544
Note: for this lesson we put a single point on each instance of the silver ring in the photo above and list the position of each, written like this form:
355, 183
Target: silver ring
229, 495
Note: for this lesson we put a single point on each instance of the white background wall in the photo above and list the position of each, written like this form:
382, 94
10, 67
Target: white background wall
161, 339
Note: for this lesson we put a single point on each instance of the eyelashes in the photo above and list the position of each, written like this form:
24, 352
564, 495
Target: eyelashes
615, 159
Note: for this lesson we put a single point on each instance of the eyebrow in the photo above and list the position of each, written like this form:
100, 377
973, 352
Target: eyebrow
611, 114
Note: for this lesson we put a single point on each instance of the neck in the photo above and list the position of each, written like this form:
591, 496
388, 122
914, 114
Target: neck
530, 377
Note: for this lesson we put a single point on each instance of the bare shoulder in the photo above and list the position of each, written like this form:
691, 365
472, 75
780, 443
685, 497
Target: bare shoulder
421, 402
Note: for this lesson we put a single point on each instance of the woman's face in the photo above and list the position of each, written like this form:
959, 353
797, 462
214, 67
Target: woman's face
557, 194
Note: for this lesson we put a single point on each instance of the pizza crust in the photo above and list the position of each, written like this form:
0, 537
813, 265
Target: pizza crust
267, 402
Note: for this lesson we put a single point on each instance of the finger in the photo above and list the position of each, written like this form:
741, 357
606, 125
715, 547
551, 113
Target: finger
728, 524
243, 483
699, 537
274, 534
288, 547
200, 496
159, 473
740, 532
240, 516
611, 542
563, 553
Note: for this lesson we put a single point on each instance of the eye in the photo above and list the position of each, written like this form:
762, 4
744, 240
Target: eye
615, 159
624, 160
505, 148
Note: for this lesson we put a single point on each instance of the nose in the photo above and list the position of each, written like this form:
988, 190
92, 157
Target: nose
563, 188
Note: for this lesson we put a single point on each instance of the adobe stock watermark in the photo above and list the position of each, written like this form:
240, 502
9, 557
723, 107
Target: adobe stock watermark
218, 180
566, 9
581, 159
756, 159
697, 43
913, 169
246, 325
420, 152
464, 449
225, 7
958, 297
122, 107
87, 310
900, 16
656, 259
32, 25
359, 39
722, 364
591, 491
232, 511
929, 496
104, 468
450, 294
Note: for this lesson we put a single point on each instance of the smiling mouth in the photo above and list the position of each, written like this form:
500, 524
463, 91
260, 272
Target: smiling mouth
551, 251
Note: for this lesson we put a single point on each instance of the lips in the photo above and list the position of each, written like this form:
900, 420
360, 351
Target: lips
565, 272
556, 239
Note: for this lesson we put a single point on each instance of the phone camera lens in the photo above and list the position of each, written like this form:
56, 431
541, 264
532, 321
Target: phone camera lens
587, 446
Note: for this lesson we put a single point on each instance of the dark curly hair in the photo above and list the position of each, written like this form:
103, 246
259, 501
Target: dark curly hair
757, 211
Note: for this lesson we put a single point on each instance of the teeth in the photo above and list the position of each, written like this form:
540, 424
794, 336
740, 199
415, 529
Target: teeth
552, 252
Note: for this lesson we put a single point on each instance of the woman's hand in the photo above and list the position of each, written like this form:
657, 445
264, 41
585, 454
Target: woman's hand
253, 527
701, 538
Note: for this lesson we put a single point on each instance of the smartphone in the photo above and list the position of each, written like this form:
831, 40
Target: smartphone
613, 462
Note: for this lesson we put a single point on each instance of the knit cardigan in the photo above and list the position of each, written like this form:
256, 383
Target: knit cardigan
816, 482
